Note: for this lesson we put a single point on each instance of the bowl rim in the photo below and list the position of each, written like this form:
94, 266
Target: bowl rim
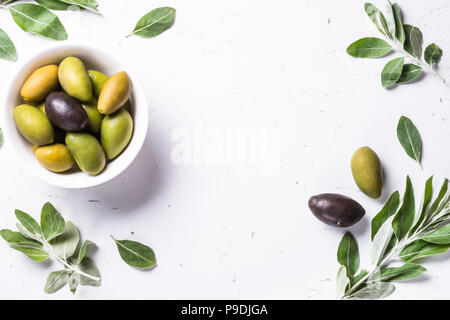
132, 149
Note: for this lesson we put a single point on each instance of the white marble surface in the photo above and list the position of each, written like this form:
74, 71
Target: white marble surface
231, 230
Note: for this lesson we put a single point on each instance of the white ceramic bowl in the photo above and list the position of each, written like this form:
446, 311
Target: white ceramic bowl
93, 58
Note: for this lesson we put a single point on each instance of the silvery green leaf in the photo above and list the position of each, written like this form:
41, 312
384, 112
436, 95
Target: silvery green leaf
31, 249
410, 72
389, 209
91, 5
392, 72
27, 233
136, 254
405, 272
404, 218
390, 19
66, 244
52, 223
359, 277
81, 253
348, 254
381, 241
373, 12
409, 138
74, 282
433, 54
56, 280
439, 201
381, 21
155, 22
378, 290
413, 40
438, 236
12, 236
54, 4
399, 32
421, 248
38, 20
428, 194
88, 267
28, 222
7, 48
369, 48
341, 281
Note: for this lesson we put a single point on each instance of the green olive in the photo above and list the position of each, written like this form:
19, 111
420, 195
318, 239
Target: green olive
98, 80
55, 157
33, 125
115, 93
87, 152
40, 83
74, 79
367, 172
94, 117
116, 132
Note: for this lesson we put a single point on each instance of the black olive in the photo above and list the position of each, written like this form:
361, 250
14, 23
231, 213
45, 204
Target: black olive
65, 112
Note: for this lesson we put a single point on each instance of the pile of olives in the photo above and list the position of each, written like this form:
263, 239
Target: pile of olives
73, 115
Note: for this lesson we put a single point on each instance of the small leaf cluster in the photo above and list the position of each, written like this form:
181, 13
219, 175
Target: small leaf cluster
405, 38
399, 232
57, 239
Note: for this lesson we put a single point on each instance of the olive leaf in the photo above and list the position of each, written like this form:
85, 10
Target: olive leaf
66, 244
155, 22
32, 250
29, 223
410, 72
54, 4
38, 20
404, 218
369, 48
392, 72
12, 236
348, 254
381, 241
390, 20
433, 54
135, 254
375, 15
342, 281
409, 138
399, 31
405, 272
377, 291
421, 248
388, 210
427, 196
56, 280
439, 236
52, 223
88, 267
7, 48
413, 40
91, 5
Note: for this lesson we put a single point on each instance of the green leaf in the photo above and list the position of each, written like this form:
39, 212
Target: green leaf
7, 48
155, 22
433, 54
38, 20
409, 138
413, 40
399, 31
369, 48
428, 194
91, 5
348, 254
377, 291
390, 20
392, 72
82, 252
27, 234
404, 219
52, 223
74, 282
439, 236
381, 241
410, 72
88, 267
66, 244
31, 249
432, 210
12, 236
342, 281
375, 15
421, 248
358, 277
56, 280
135, 254
405, 272
54, 4
28, 222
389, 209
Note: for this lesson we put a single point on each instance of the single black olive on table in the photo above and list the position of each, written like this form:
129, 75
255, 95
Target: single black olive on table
336, 210
65, 112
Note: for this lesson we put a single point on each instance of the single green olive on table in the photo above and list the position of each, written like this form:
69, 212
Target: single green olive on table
404, 38
94, 130
367, 172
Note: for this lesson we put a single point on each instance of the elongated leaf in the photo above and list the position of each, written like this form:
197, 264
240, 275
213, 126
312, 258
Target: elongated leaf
433, 54
390, 20
82, 252
413, 40
359, 277
56, 280
136, 254
52, 223
7, 48
348, 254
389, 209
428, 194
12, 236
439, 236
341, 281
27, 234
410, 72
38, 20
66, 244
369, 48
405, 272
421, 248
155, 22
74, 282
381, 241
28, 222
375, 15
378, 291
88, 267
437, 202
392, 72
399, 32
30, 249
54, 4
404, 219
91, 5
409, 138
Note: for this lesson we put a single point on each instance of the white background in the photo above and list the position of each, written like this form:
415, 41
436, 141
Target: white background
229, 231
